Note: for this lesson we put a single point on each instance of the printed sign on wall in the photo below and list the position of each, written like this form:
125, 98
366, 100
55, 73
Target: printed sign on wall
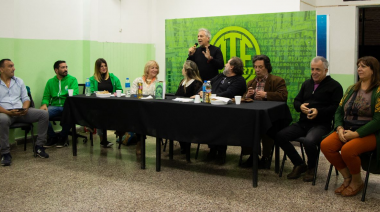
288, 39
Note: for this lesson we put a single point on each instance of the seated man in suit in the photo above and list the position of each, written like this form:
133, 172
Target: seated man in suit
264, 87
55, 94
14, 107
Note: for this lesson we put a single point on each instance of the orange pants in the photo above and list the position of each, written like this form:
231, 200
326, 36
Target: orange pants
349, 152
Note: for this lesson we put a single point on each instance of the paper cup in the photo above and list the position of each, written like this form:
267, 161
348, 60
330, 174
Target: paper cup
118, 93
71, 92
237, 100
197, 99
213, 95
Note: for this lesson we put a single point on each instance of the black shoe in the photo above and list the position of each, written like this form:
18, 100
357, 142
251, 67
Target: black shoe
297, 171
264, 163
248, 163
106, 144
211, 155
62, 142
309, 176
6, 159
40, 151
51, 142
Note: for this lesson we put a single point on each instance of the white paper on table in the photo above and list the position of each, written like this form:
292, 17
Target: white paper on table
183, 100
148, 97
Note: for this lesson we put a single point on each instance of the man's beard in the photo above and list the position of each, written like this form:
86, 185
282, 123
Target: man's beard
226, 71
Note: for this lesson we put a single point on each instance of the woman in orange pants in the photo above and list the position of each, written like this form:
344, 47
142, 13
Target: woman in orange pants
360, 102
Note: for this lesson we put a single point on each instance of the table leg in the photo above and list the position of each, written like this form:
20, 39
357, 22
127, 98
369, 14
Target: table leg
142, 151
188, 147
104, 136
158, 154
171, 149
255, 167
74, 140
276, 158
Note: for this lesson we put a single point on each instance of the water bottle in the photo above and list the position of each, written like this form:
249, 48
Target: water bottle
204, 91
208, 92
127, 88
88, 87
140, 90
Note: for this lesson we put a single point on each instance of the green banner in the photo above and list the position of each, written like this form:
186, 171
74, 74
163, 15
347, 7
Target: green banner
288, 39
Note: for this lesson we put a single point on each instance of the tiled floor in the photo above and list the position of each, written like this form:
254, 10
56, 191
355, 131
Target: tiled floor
101, 179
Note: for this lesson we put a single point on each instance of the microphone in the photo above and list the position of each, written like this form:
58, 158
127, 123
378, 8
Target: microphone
195, 45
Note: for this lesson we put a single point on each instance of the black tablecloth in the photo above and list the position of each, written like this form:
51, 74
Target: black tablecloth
237, 125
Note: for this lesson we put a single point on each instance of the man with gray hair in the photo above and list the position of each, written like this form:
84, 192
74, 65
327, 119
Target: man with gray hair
208, 58
317, 101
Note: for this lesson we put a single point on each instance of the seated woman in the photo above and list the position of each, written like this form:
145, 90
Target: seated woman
360, 103
149, 79
192, 82
189, 86
151, 70
104, 81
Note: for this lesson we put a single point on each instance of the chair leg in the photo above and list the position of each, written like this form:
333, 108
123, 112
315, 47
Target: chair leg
33, 142
328, 178
26, 135
366, 178
302, 151
196, 154
316, 165
282, 165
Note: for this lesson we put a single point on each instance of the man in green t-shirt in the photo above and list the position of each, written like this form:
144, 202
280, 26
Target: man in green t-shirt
55, 94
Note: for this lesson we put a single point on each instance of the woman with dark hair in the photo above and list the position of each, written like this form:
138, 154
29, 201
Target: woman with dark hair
360, 103
104, 81
191, 82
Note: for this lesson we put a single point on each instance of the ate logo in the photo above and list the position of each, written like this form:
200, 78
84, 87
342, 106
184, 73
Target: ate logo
236, 41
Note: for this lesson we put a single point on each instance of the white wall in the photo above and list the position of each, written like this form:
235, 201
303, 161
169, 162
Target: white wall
343, 21
172, 9
96, 20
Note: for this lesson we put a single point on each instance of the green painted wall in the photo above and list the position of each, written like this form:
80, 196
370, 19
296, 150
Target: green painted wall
34, 61
344, 79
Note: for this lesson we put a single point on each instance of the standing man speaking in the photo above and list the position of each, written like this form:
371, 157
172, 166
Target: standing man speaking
208, 58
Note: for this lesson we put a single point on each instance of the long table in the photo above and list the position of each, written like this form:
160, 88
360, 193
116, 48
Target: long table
236, 125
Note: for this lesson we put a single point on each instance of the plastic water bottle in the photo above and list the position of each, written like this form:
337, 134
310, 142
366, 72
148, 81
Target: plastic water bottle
204, 91
88, 87
127, 88
208, 92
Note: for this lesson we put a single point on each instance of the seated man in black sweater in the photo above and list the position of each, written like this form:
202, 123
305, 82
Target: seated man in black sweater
228, 84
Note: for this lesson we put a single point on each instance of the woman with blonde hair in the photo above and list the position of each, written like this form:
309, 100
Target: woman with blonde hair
191, 82
151, 70
104, 81
357, 125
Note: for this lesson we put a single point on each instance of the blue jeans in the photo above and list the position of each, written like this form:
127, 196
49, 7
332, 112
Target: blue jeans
55, 111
